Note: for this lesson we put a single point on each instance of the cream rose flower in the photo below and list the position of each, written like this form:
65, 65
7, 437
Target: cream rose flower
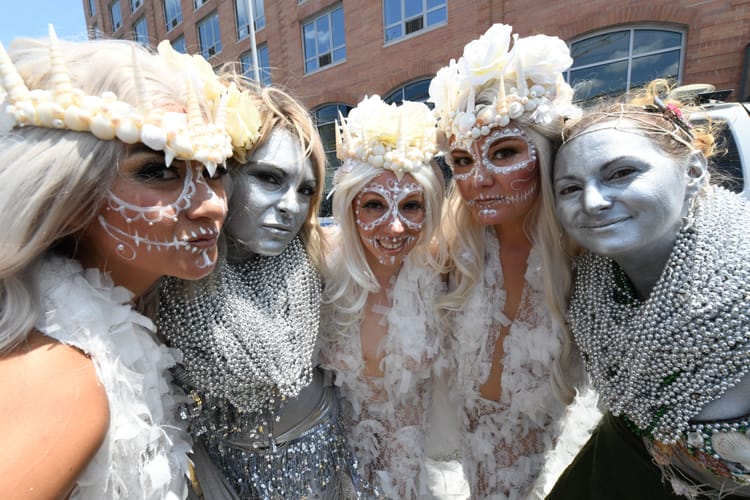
211, 87
541, 58
444, 89
242, 121
485, 58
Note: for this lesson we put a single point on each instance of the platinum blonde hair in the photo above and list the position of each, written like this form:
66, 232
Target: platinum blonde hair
465, 244
350, 280
53, 182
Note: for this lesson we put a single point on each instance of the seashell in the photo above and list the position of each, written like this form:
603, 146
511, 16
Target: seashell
531, 105
10, 80
486, 115
142, 98
128, 131
503, 120
7, 117
59, 76
475, 133
221, 112
76, 118
181, 144
536, 91
153, 136
732, 446
465, 122
515, 109
376, 161
91, 104
378, 149
101, 126
47, 112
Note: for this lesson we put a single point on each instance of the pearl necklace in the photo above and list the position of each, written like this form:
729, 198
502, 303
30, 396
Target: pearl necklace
658, 362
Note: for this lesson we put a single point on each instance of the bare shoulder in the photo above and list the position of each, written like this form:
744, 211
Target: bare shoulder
54, 414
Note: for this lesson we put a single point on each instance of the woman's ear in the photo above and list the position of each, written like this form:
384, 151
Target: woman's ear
696, 173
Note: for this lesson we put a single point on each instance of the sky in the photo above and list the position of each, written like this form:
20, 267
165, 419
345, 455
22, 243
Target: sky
29, 18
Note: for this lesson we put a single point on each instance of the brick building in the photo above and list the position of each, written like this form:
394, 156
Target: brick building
330, 53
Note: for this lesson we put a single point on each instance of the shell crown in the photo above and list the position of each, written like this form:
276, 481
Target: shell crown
524, 81
230, 129
399, 138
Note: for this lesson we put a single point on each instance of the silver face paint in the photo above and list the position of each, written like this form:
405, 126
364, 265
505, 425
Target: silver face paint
273, 192
129, 240
618, 194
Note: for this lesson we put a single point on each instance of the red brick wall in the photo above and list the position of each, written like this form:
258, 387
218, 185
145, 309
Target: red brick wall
717, 32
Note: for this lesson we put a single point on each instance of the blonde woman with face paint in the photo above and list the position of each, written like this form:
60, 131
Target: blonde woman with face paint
110, 179
656, 295
380, 331
511, 371
265, 421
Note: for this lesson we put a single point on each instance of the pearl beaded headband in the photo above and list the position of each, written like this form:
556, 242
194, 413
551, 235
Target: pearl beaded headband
180, 135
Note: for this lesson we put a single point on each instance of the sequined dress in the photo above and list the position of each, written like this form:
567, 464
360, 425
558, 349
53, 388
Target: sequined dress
145, 452
505, 441
385, 417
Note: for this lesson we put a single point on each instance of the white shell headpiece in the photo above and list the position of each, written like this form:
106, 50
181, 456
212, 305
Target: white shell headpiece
526, 81
397, 138
181, 135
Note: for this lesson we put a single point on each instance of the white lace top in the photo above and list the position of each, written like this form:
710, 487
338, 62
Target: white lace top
505, 442
144, 454
385, 417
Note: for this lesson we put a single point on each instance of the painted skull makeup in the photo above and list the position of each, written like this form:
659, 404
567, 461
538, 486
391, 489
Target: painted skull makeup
498, 175
390, 215
130, 241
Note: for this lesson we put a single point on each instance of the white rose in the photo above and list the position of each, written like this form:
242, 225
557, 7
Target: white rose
541, 58
444, 87
485, 58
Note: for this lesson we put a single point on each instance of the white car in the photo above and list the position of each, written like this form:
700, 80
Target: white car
733, 161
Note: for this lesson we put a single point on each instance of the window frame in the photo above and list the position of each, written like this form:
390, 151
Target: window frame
332, 163
390, 96
264, 68
206, 51
403, 22
135, 5
197, 4
312, 20
630, 57
92, 7
114, 7
141, 21
177, 19
182, 41
243, 31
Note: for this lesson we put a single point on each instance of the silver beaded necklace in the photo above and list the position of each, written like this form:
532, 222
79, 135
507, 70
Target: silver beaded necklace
658, 362
247, 334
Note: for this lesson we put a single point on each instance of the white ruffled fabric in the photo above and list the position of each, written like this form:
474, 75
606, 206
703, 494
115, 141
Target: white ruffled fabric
145, 452
504, 442
386, 416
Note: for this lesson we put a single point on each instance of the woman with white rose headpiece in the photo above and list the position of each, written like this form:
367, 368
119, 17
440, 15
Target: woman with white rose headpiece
380, 327
511, 371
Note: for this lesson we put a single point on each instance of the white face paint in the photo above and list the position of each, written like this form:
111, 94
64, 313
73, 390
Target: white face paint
498, 176
156, 221
272, 195
618, 194
390, 215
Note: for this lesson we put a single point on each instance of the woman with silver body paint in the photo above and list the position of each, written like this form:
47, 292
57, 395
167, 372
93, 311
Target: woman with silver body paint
265, 421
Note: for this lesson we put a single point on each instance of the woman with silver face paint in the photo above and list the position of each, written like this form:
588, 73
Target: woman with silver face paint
510, 371
657, 298
380, 331
265, 421
109, 180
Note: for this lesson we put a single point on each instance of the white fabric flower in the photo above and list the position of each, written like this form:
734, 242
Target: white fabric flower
486, 58
541, 58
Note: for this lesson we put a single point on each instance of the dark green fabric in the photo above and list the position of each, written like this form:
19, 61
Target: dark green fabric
613, 465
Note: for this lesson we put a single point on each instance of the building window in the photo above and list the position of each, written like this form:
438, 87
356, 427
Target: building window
134, 4
172, 13
612, 63
325, 43
264, 68
115, 15
325, 120
197, 4
417, 91
92, 7
243, 19
208, 36
401, 18
94, 32
178, 44
140, 31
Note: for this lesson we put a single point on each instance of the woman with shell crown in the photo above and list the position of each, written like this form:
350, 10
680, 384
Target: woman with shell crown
657, 297
110, 179
265, 421
380, 332
511, 371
